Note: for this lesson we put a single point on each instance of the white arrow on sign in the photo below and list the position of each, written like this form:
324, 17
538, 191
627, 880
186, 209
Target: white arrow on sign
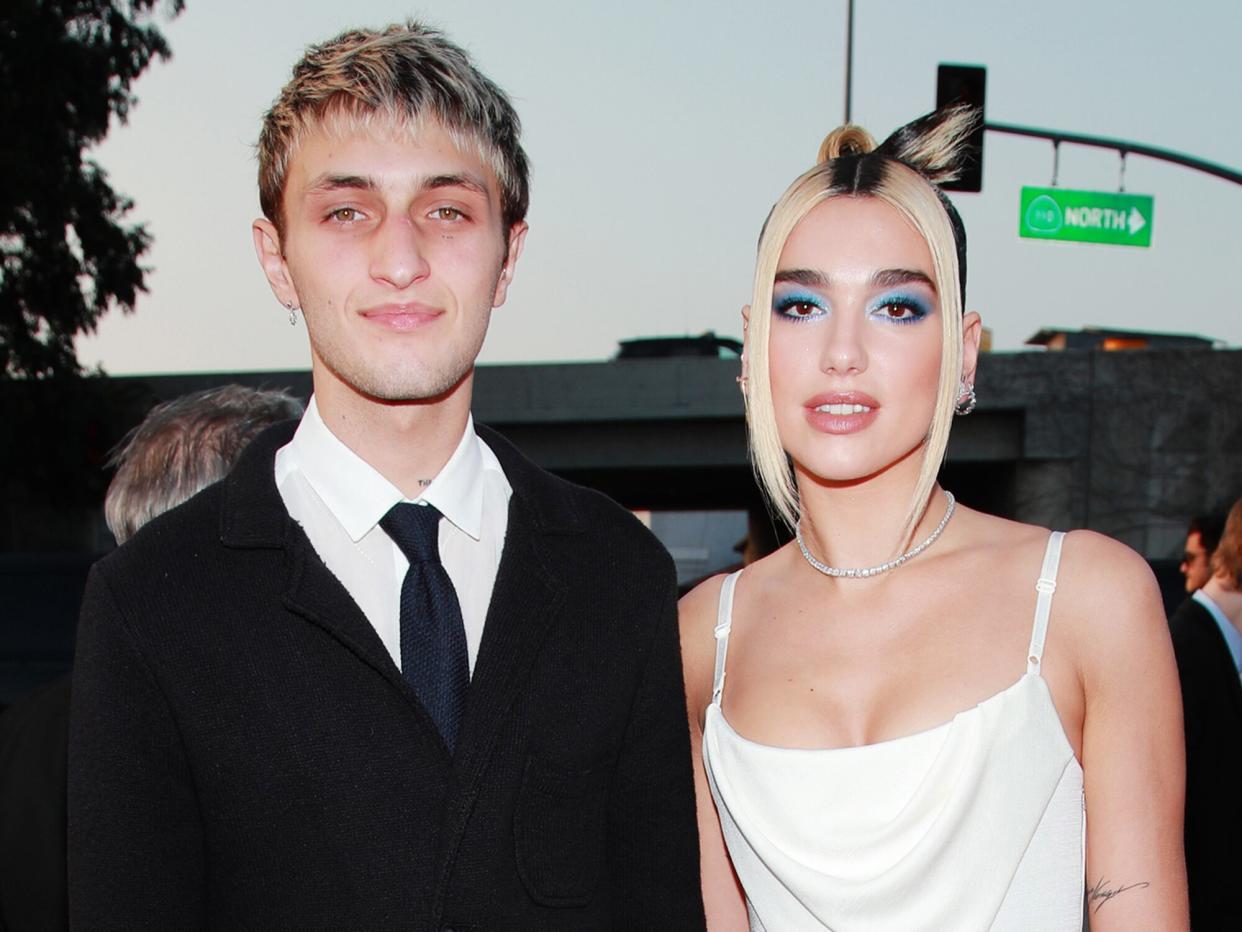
1136, 221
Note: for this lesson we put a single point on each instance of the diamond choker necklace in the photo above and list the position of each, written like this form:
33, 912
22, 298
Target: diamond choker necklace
910, 554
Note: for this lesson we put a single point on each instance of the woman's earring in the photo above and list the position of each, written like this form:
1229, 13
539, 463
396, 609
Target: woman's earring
293, 314
966, 398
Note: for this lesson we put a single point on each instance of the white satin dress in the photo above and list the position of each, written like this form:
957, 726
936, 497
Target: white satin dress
977, 824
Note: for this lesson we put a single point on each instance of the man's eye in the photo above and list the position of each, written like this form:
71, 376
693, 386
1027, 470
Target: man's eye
448, 213
345, 214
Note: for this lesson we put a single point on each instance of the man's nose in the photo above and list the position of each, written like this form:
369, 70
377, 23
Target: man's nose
397, 256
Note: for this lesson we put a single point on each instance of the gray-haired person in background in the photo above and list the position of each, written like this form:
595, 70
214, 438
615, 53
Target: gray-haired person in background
180, 448
183, 446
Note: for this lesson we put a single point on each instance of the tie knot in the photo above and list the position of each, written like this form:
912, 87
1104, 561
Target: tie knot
416, 530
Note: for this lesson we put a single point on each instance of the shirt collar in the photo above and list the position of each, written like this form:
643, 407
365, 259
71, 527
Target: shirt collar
358, 496
1233, 640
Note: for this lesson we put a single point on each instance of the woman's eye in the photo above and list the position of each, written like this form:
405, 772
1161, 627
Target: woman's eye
900, 312
897, 311
798, 308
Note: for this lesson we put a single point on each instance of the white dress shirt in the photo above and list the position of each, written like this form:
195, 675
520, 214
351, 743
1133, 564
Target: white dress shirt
338, 499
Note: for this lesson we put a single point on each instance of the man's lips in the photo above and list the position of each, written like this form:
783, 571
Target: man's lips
404, 316
841, 412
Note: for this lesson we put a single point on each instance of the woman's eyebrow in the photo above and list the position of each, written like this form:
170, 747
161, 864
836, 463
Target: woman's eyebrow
890, 278
808, 277
885, 278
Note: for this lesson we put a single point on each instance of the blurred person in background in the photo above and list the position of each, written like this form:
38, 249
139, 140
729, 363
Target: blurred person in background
1202, 536
1207, 640
180, 448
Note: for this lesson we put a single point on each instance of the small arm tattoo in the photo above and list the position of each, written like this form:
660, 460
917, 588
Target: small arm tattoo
1103, 892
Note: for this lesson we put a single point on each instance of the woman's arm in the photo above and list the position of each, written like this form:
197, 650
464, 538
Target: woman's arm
1132, 744
722, 894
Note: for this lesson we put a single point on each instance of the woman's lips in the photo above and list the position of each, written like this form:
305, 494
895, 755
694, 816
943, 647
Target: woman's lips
841, 412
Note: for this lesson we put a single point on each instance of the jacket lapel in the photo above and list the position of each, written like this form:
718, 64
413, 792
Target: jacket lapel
254, 517
527, 599
315, 595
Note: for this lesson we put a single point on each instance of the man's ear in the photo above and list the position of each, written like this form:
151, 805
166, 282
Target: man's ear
972, 332
272, 260
517, 239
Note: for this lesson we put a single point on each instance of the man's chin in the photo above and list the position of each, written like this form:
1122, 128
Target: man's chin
420, 388
399, 382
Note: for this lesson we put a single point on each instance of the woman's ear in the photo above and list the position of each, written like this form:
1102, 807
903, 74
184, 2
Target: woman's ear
972, 332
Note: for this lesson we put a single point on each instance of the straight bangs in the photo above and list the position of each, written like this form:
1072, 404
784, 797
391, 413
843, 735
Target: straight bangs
345, 115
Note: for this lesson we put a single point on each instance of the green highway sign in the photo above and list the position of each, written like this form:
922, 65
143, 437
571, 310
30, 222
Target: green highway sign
1086, 216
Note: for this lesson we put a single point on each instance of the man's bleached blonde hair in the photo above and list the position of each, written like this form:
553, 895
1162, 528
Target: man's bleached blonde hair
902, 172
395, 80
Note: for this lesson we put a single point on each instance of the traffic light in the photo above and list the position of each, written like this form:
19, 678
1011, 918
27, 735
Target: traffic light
965, 84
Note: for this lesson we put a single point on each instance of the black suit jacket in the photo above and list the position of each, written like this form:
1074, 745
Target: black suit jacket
1212, 702
244, 753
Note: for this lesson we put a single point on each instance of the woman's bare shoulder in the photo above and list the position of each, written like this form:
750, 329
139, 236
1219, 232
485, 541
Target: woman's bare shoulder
1095, 571
1109, 590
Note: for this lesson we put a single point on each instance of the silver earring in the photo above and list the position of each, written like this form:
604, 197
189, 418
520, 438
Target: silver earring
293, 314
966, 398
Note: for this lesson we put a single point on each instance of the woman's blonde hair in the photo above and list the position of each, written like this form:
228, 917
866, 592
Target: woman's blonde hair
903, 172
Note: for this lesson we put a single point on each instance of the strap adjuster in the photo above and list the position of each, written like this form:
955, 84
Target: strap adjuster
1043, 584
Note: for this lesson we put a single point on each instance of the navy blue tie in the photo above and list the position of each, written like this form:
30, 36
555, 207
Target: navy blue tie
433, 638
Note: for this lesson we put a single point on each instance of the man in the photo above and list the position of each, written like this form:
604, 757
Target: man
1202, 536
1207, 640
390, 675
180, 448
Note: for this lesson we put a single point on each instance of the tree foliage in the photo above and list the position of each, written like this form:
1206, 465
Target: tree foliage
66, 257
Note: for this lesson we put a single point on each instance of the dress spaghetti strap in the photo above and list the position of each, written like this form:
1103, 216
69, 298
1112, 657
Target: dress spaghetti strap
1046, 585
724, 622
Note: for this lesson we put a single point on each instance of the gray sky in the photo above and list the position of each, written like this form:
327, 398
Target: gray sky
660, 134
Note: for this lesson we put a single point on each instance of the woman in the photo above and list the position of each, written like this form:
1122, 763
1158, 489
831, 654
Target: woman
876, 755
